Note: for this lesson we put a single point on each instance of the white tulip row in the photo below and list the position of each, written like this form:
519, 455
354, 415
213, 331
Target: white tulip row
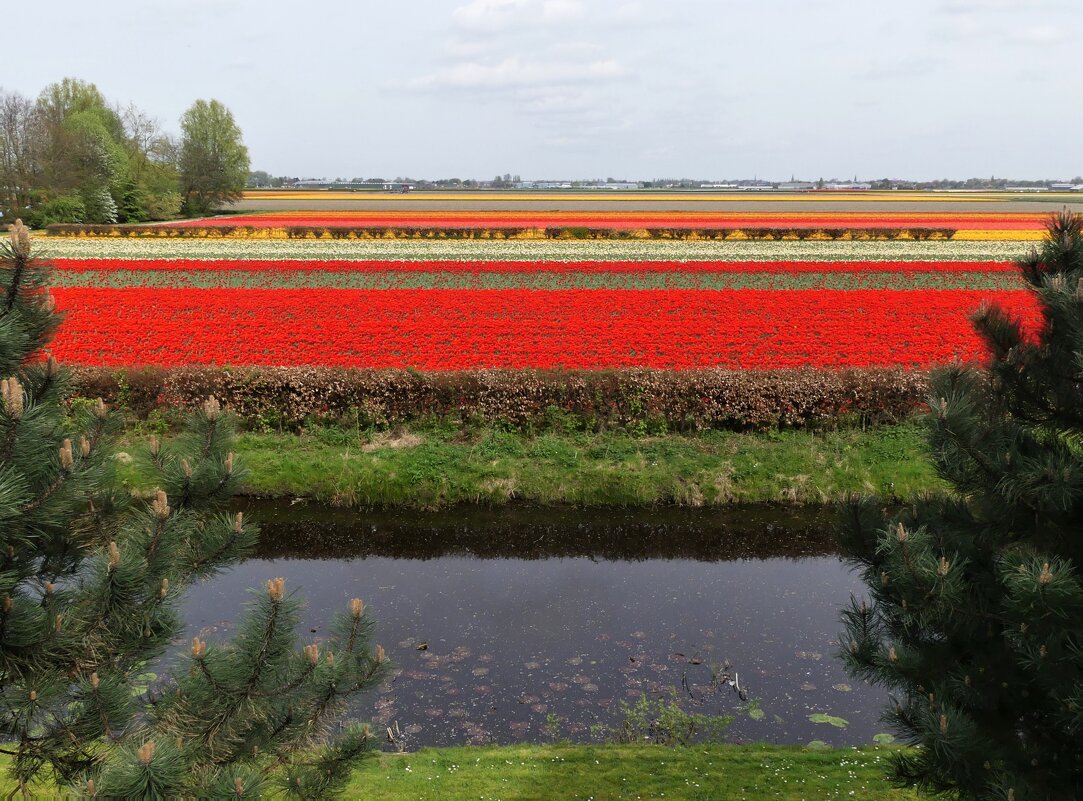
527, 250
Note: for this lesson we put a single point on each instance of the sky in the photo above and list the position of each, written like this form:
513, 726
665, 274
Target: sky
629, 89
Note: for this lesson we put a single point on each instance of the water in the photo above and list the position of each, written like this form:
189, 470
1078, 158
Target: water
527, 624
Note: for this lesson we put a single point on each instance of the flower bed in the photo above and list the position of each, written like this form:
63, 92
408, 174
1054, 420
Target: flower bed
618, 220
452, 329
578, 304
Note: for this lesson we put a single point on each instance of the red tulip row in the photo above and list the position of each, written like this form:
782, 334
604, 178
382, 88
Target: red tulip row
443, 329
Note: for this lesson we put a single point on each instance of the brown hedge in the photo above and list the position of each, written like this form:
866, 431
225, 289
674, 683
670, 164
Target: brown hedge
527, 399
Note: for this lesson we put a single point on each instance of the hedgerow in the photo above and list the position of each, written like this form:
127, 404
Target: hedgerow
654, 400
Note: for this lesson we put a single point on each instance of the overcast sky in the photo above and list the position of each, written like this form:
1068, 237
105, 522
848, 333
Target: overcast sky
594, 88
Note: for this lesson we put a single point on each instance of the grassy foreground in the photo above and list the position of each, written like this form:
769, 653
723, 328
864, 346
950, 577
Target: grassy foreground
609, 773
435, 467
615, 773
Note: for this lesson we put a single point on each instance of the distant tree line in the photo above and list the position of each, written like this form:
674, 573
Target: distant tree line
971, 183
261, 179
69, 156
992, 183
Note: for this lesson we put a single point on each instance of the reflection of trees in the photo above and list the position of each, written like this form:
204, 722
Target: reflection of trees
523, 532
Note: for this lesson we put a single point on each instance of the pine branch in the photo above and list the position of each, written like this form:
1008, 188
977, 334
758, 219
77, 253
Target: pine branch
976, 607
89, 584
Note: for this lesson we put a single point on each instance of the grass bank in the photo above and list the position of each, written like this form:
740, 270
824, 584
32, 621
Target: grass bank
433, 467
609, 773
615, 773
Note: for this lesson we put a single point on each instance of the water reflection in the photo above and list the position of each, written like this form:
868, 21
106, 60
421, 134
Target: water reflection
509, 625
305, 531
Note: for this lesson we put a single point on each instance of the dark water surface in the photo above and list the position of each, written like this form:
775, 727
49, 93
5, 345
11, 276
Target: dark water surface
534, 619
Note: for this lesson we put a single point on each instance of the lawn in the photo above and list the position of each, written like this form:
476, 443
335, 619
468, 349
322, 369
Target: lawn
618, 773
438, 466
609, 773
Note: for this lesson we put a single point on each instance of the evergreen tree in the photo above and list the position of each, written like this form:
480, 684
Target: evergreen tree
976, 616
89, 587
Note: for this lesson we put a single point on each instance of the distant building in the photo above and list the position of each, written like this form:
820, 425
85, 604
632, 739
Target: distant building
370, 186
847, 186
1066, 187
543, 185
796, 186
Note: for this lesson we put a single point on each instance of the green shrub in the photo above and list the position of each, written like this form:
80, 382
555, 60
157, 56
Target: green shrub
63, 209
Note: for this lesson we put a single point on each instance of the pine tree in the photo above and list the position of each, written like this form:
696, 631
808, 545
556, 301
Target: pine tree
976, 617
90, 582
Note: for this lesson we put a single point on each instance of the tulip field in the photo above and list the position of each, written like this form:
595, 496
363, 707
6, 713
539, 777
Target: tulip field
618, 219
475, 304
959, 225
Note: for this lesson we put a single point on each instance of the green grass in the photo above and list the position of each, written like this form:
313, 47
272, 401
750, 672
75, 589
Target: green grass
392, 279
604, 773
616, 773
433, 466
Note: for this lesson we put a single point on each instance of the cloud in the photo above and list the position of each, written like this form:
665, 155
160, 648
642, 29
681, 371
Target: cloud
460, 49
576, 51
1021, 22
533, 67
1001, 24
636, 15
559, 103
560, 10
532, 50
904, 68
585, 130
495, 16
489, 16
1040, 34
987, 6
516, 71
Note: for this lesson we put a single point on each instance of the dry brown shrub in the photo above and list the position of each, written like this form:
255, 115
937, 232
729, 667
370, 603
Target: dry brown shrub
286, 397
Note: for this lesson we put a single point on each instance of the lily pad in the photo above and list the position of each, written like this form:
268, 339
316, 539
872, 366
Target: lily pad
820, 717
756, 713
141, 683
818, 745
884, 738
